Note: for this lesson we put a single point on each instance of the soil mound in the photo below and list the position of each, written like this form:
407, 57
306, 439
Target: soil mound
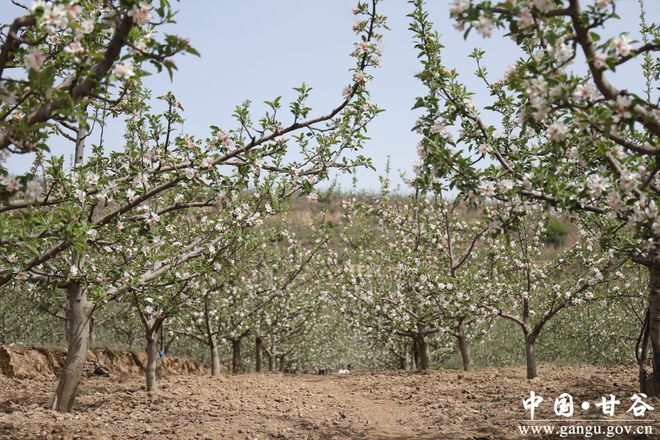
46, 362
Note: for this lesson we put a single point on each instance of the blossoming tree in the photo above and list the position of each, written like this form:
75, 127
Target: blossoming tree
566, 135
58, 225
529, 289
414, 272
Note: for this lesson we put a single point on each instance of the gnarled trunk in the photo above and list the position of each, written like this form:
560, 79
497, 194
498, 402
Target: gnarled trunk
79, 314
236, 366
463, 345
258, 346
530, 357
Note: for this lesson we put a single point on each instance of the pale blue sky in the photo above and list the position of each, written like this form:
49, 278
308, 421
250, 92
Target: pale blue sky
259, 49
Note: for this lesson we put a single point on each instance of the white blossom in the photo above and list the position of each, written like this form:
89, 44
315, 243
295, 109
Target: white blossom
123, 71
543, 5
557, 132
621, 45
458, 7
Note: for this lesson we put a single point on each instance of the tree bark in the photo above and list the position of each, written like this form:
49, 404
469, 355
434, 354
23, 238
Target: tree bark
423, 353
258, 345
402, 362
530, 357
654, 318
236, 366
3, 335
215, 357
271, 355
642, 356
67, 322
212, 338
413, 355
79, 313
92, 334
463, 346
162, 350
152, 360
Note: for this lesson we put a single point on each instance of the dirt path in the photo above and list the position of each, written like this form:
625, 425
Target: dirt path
375, 416
480, 405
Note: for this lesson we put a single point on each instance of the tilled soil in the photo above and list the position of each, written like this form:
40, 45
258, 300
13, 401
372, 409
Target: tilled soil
481, 404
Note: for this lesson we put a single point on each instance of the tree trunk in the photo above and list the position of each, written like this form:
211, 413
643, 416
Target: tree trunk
79, 314
282, 363
131, 339
271, 355
215, 357
654, 319
641, 351
463, 346
271, 362
402, 362
423, 353
413, 355
152, 360
67, 322
530, 357
258, 345
92, 334
236, 356
162, 350
212, 338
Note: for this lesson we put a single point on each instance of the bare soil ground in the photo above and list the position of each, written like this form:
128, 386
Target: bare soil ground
482, 404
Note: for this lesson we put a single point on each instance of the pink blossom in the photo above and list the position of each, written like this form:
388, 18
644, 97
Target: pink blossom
599, 60
141, 13
207, 162
359, 78
34, 60
73, 9
12, 185
74, 47
363, 47
526, 18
